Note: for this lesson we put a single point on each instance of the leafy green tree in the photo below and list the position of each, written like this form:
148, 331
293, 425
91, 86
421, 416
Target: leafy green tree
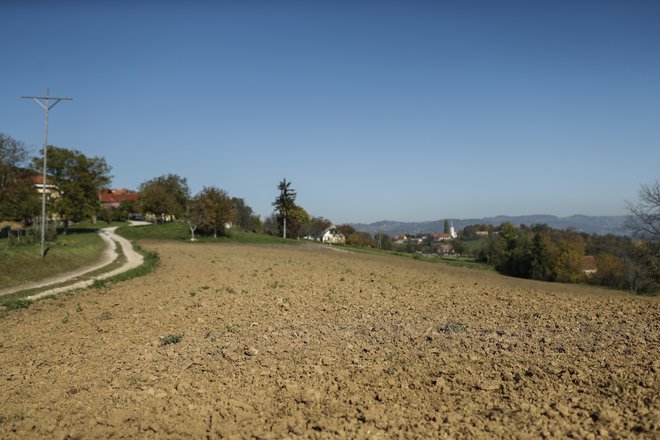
459, 247
18, 198
284, 203
543, 257
215, 209
270, 225
446, 227
347, 230
611, 271
361, 239
298, 219
245, 218
165, 196
569, 259
78, 180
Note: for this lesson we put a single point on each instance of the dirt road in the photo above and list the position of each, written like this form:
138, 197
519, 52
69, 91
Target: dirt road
300, 342
109, 255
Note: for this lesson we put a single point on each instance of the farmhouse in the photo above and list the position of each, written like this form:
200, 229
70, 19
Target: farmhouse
111, 198
332, 236
51, 189
589, 265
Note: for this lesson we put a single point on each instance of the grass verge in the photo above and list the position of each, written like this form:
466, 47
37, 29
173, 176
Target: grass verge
23, 264
16, 301
179, 231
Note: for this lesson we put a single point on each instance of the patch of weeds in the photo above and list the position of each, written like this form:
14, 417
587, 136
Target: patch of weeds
14, 304
205, 287
79, 308
193, 293
389, 357
99, 284
193, 306
8, 419
173, 338
390, 371
229, 328
65, 320
454, 327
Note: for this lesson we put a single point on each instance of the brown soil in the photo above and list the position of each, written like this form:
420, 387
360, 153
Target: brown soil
300, 341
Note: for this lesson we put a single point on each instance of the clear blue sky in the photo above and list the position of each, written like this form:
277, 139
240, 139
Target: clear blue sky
379, 110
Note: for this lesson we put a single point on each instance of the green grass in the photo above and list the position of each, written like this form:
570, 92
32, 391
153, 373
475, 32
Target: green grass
475, 245
17, 300
179, 231
23, 264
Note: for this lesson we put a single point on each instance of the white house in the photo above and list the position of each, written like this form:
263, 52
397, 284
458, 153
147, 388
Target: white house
332, 236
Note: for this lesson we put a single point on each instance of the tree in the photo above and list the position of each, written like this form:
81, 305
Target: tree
270, 225
543, 257
78, 180
644, 218
284, 203
298, 219
245, 218
383, 241
361, 239
165, 196
216, 209
644, 221
446, 227
460, 247
18, 198
316, 227
569, 259
347, 230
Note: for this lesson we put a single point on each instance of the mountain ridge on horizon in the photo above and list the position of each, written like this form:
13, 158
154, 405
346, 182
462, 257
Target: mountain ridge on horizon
613, 224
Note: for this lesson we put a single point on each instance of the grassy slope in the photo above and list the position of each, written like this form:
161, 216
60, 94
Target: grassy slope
180, 231
23, 264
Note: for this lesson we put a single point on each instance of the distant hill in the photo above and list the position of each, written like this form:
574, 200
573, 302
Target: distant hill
581, 223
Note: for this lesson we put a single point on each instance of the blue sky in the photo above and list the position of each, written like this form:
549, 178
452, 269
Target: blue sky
408, 111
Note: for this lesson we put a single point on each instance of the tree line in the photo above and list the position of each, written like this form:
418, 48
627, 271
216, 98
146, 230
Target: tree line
537, 252
543, 253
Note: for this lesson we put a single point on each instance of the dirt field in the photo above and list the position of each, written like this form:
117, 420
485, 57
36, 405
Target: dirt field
299, 341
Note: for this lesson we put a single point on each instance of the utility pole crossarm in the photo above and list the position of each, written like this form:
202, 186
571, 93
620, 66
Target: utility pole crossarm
47, 98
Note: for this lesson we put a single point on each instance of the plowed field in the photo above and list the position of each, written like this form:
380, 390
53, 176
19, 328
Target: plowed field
301, 341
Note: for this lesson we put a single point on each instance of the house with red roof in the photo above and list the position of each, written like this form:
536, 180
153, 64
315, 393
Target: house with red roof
111, 198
